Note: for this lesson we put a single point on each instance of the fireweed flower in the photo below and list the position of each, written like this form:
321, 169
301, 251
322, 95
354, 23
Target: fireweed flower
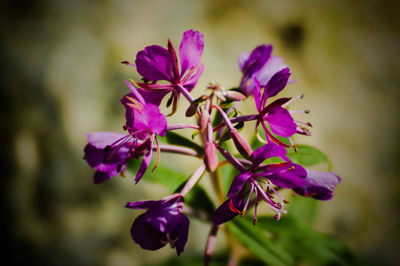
258, 64
155, 63
107, 164
108, 152
249, 181
163, 223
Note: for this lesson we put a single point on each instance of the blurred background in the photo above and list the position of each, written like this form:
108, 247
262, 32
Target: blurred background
61, 77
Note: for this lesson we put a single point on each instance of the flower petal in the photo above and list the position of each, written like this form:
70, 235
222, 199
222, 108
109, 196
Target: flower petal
281, 122
143, 204
225, 211
181, 233
190, 50
256, 60
319, 185
95, 154
257, 95
146, 235
154, 63
286, 175
272, 66
144, 165
277, 83
267, 151
238, 183
156, 121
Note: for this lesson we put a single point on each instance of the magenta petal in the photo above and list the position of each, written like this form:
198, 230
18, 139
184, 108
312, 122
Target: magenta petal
288, 176
144, 165
277, 83
190, 50
273, 65
191, 82
281, 122
267, 151
238, 183
257, 95
256, 60
319, 185
156, 121
154, 63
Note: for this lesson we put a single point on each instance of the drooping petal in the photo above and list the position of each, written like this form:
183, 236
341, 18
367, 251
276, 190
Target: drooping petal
154, 63
319, 185
281, 122
156, 121
181, 233
289, 175
146, 235
190, 50
144, 165
238, 183
267, 151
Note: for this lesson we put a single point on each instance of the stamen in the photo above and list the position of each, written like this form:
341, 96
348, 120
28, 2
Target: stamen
306, 111
248, 200
255, 208
300, 96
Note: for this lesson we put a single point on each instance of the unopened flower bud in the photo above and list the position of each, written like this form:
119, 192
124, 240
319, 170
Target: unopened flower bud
210, 156
234, 95
241, 144
192, 109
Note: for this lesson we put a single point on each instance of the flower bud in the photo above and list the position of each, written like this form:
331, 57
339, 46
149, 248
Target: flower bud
241, 144
191, 111
210, 156
234, 95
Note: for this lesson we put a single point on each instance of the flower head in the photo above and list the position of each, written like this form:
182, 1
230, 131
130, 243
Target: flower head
249, 181
108, 152
163, 223
258, 64
156, 63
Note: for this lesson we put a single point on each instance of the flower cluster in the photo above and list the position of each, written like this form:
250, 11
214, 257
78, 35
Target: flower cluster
217, 123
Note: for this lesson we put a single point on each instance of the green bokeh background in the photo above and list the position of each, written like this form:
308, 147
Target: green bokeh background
61, 77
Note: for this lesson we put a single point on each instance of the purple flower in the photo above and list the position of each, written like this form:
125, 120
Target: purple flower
155, 63
258, 64
285, 175
275, 114
108, 152
162, 223
319, 185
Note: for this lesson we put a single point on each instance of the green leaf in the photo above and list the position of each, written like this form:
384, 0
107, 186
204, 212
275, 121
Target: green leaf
176, 139
307, 155
305, 245
258, 242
